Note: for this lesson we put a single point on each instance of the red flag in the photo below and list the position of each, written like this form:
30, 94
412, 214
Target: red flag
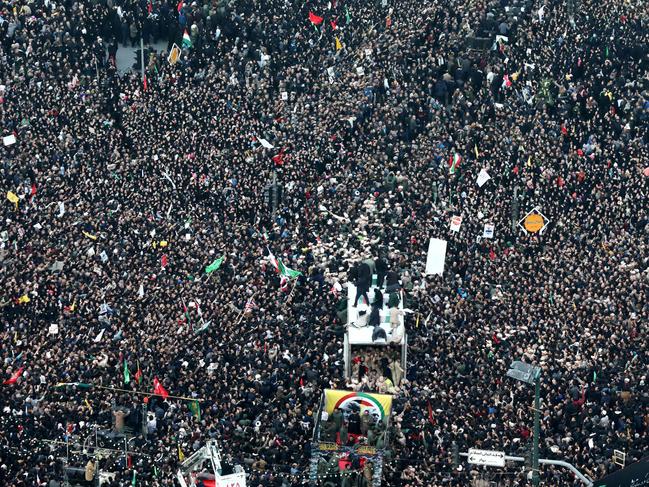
164, 260
279, 158
315, 19
492, 254
33, 193
333, 24
180, 6
515, 170
14, 378
149, 7
158, 390
564, 130
144, 82
129, 461
138, 376
430, 414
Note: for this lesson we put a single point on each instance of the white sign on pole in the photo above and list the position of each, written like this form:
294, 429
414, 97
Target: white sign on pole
456, 222
232, 480
54, 329
488, 230
436, 256
483, 177
491, 458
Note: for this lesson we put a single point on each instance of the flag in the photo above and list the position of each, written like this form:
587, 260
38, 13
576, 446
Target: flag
127, 373
195, 409
164, 260
181, 455
100, 336
13, 197
265, 143
149, 7
475, 148
430, 414
278, 159
180, 5
333, 24
348, 18
140, 291
273, 260
90, 236
594, 376
134, 472
454, 163
14, 378
492, 254
315, 19
214, 265
138, 373
74, 384
33, 192
286, 272
158, 390
144, 83
24, 299
339, 46
250, 305
187, 41
506, 81
529, 161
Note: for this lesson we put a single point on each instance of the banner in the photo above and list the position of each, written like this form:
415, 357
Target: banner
488, 230
232, 480
483, 177
436, 256
381, 404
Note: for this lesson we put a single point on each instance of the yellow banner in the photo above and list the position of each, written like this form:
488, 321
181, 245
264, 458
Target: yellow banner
374, 403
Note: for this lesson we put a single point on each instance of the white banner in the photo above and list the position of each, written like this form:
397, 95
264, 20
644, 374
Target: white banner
436, 256
232, 480
488, 230
456, 222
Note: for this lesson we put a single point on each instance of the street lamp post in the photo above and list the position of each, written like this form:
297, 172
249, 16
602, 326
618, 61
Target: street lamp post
531, 374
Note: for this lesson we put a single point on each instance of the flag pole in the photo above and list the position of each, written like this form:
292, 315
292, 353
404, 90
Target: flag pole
116, 389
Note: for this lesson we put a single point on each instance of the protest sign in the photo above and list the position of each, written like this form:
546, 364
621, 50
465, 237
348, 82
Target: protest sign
488, 231
9, 140
456, 222
483, 177
174, 55
436, 256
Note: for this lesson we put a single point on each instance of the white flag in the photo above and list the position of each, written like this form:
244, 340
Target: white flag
483, 177
456, 222
265, 143
488, 231
140, 292
104, 256
61, 209
100, 336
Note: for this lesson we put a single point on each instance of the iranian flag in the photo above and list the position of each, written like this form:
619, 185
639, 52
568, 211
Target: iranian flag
281, 268
454, 163
187, 41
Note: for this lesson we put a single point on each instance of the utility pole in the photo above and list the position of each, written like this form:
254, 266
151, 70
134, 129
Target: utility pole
537, 431
142, 55
531, 374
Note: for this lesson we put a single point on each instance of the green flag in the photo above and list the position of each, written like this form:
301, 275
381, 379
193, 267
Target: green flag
127, 374
286, 272
195, 409
134, 477
348, 18
214, 265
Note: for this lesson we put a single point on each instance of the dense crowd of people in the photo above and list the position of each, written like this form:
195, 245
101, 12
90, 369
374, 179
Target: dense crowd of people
120, 192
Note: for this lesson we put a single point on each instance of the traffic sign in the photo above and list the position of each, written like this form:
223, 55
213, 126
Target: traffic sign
490, 458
